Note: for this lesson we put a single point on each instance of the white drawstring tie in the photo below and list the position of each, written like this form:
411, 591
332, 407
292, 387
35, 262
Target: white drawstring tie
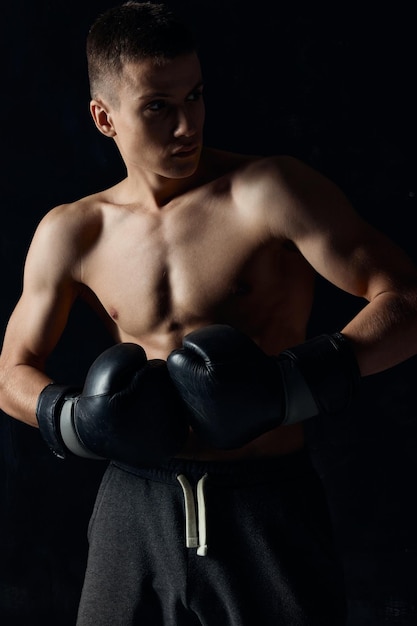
194, 539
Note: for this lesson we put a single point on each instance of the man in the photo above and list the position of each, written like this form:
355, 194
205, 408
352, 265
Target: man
205, 259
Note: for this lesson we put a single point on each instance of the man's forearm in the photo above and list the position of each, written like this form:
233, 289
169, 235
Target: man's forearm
20, 387
384, 332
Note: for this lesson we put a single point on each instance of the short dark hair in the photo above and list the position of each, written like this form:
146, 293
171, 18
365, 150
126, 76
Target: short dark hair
133, 31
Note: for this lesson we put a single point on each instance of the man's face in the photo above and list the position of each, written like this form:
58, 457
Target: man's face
160, 115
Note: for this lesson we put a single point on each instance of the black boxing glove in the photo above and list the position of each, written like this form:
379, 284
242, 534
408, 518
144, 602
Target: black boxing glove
236, 392
127, 411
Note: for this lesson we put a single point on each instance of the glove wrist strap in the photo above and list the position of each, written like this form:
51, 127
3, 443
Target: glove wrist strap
48, 410
321, 376
69, 433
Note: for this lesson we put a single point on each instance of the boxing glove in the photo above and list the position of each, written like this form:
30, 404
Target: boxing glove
236, 392
127, 411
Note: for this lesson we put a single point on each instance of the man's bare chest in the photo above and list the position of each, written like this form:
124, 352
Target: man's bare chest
153, 275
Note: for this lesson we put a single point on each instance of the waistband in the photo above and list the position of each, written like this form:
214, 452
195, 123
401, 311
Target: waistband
246, 471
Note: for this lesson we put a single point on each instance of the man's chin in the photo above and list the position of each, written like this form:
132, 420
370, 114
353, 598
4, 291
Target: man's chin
184, 168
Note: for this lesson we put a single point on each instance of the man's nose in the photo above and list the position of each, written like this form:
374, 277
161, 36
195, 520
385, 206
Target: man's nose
185, 125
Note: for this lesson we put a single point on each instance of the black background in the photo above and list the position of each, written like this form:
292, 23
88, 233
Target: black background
334, 87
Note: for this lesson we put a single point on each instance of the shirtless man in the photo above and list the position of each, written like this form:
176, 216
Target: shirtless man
225, 247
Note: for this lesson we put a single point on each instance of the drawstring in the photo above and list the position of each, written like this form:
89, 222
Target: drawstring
202, 526
191, 537
194, 539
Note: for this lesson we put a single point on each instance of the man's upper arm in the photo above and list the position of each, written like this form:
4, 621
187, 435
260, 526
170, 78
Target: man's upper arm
48, 292
318, 218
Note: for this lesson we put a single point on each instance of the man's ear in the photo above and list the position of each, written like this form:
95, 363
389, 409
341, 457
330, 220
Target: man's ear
102, 119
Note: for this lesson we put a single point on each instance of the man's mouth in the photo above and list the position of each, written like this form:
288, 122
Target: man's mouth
185, 151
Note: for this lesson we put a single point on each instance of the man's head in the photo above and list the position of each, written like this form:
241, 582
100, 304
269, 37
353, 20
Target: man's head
146, 86
132, 32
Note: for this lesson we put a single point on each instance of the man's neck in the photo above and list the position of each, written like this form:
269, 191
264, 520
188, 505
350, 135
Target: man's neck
157, 191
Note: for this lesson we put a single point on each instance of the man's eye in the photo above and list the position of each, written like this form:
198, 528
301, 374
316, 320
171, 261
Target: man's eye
195, 95
156, 106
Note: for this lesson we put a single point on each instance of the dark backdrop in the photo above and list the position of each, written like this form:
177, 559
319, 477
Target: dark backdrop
335, 88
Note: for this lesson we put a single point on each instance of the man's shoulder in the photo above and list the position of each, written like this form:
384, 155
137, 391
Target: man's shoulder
64, 233
244, 170
259, 177
275, 193
269, 167
68, 218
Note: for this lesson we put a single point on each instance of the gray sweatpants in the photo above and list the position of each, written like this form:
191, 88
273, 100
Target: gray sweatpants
259, 548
